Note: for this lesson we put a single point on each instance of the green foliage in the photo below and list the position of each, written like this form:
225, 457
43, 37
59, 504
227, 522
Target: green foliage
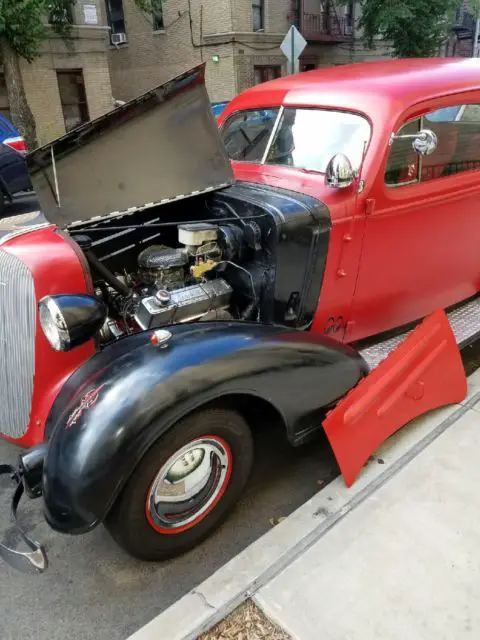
23, 23
149, 6
474, 7
415, 28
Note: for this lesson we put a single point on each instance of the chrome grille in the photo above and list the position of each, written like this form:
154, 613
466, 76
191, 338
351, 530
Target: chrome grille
17, 345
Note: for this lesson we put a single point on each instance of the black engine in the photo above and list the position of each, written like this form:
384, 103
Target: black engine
174, 284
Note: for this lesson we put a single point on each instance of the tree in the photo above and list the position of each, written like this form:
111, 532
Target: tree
415, 28
23, 27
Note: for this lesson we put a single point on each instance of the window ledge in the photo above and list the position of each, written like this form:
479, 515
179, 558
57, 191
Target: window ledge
159, 32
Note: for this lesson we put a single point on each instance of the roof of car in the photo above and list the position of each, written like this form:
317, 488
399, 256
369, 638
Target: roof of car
367, 85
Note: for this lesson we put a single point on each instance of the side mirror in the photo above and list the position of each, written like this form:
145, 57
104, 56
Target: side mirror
339, 172
424, 142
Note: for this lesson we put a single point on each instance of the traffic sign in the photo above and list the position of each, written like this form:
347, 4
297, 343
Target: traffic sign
292, 46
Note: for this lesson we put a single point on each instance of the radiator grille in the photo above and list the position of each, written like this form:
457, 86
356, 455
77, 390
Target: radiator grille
17, 345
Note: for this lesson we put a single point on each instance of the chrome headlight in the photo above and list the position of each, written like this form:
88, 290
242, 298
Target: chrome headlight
70, 320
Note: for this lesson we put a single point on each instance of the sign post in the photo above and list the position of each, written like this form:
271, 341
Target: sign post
292, 46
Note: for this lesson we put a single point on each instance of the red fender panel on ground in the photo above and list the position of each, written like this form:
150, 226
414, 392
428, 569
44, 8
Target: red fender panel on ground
423, 373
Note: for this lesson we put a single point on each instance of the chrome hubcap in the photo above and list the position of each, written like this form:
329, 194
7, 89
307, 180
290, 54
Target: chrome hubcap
189, 484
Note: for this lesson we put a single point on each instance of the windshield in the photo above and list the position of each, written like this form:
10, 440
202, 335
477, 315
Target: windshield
304, 138
247, 133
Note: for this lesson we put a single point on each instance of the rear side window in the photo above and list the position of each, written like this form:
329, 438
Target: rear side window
458, 133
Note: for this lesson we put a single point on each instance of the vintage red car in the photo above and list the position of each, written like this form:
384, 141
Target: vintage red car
179, 279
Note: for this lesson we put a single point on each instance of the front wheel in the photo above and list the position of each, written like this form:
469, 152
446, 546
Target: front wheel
184, 487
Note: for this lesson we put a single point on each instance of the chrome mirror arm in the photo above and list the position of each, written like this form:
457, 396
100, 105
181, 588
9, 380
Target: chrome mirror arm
424, 142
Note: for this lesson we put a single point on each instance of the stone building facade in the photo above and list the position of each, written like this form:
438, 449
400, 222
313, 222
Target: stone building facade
68, 84
118, 51
238, 39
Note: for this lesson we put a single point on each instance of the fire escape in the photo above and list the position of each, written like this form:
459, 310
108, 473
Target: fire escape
464, 31
319, 21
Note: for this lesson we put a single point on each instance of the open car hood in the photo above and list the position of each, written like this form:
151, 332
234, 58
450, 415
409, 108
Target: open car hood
161, 146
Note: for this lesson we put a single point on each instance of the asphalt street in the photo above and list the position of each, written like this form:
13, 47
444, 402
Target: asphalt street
93, 591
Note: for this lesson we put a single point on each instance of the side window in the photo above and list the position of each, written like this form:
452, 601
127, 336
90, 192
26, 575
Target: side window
458, 135
403, 162
469, 113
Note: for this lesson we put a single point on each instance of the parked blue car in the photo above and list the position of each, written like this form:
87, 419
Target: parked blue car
218, 107
14, 176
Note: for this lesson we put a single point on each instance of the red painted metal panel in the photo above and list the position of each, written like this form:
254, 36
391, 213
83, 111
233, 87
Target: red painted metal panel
424, 372
56, 268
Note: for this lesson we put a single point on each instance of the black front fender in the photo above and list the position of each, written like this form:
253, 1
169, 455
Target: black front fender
112, 410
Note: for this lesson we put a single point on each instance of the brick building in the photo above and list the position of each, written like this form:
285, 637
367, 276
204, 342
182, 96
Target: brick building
70, 84
117, 51
239, 39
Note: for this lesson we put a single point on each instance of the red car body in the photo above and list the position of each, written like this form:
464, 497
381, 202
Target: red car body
55, 265
395, 255
165, 297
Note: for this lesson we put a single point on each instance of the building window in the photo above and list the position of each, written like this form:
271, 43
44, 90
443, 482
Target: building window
267, 72
258, 10
115, 16
73, 98
157, 16
4, 103
61, 15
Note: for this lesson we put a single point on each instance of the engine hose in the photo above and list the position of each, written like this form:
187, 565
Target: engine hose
106, 274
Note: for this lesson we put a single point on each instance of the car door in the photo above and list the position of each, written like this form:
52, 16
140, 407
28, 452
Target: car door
422, 232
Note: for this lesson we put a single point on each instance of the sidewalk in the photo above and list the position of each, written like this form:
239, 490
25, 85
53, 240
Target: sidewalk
395, 556
405, 564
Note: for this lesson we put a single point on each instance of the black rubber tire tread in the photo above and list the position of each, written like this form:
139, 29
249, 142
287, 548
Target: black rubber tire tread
127, 522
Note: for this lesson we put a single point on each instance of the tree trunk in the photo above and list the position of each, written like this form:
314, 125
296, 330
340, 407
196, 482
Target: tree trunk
22, 116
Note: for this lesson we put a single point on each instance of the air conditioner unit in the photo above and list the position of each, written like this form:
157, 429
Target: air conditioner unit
348, 30
119, 38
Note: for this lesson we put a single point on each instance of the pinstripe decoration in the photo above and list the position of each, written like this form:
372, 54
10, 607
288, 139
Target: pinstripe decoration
17, 345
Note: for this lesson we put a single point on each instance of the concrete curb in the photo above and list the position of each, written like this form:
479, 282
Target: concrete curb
204, 606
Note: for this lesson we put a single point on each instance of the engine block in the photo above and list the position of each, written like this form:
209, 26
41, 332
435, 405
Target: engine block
183, 305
